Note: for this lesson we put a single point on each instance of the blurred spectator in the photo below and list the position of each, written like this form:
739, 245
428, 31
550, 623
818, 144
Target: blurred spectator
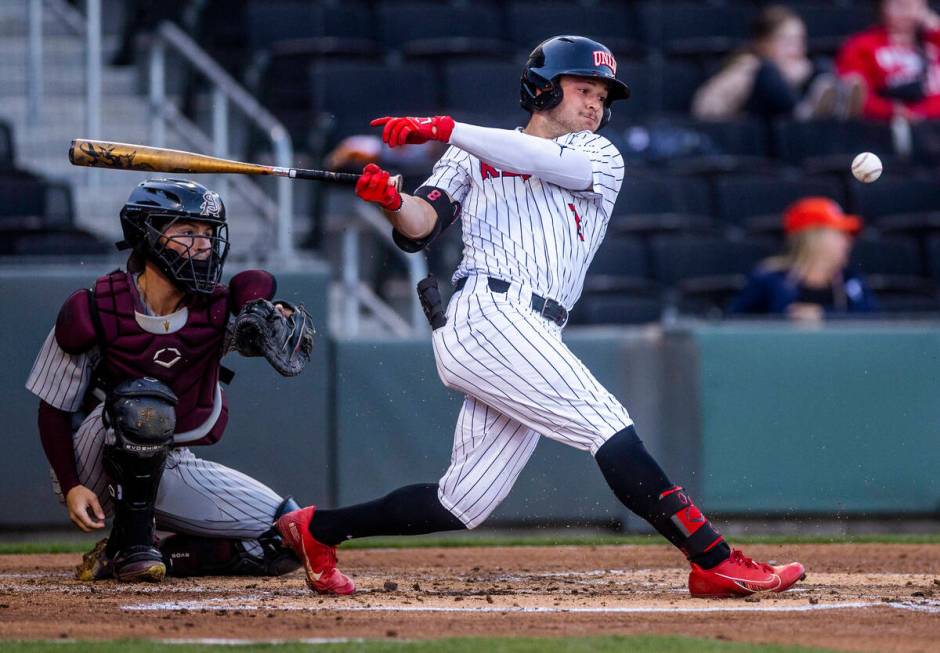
899, 60
773, 76
810, 280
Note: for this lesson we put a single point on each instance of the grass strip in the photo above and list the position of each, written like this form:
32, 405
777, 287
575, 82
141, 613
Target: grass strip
471, 540
633, 644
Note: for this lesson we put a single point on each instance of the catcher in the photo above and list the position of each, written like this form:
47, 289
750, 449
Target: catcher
129, 380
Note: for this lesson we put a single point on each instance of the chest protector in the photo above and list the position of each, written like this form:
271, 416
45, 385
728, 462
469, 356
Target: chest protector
187, 360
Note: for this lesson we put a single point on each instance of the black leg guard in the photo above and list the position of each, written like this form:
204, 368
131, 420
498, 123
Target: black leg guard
410, 510
193, 555
142, 415
643, 487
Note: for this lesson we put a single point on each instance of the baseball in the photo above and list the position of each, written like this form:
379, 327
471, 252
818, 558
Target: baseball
866, 167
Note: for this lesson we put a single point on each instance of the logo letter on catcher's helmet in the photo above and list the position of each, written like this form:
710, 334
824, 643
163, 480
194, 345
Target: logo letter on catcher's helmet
575, 56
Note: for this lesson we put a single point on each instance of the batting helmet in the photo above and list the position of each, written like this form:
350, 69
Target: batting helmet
568, 55
156, 204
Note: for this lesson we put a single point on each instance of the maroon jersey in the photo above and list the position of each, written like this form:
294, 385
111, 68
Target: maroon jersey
184, 355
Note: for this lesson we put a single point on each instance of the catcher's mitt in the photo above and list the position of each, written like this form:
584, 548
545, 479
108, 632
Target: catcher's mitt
261, 330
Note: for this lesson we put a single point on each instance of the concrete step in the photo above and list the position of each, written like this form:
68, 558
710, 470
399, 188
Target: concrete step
37, 142
56, 50
118, 109
14, 21
57, 81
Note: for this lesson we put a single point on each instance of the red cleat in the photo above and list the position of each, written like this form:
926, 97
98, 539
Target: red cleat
741, 576
319, 559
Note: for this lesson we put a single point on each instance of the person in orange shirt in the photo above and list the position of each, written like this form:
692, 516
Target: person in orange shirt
899, 60
811, 280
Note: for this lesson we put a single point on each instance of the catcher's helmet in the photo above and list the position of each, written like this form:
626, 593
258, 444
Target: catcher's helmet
156, 204
568, 55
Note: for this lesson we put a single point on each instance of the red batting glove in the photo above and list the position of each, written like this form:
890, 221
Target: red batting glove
413, 131
373, 186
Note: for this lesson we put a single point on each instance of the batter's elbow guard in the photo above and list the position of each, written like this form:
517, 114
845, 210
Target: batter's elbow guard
446, 211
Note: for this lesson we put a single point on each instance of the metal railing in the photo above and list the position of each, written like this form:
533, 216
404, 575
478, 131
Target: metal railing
34, 63
357, 295
226, 93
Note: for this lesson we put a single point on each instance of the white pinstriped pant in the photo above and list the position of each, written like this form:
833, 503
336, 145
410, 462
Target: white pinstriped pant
520, 382
196, 496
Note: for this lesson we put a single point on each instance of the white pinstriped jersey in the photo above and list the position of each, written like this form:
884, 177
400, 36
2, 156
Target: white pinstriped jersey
61, 379
520, 228
520, 380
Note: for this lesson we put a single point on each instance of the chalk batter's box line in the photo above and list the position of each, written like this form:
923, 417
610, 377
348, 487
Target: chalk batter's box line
932, 607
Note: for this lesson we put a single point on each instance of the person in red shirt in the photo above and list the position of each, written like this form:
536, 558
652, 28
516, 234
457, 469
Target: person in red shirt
899, 59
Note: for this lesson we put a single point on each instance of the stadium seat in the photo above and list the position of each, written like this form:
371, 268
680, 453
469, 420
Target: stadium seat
27, 202
678, 83
439, 29
887, 256
607, 308
70, 242
678, 257
688, 146
379, 90
642, 78
830, 145
904, 294
694, 28
933, 256
898, 203
925, 142
620, 265
757, 202
483, 88
828, 25
661, 204
222, 32
270, 21
613, 24
6, 146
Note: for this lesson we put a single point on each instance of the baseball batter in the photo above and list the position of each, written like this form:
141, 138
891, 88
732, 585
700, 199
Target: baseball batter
128, 380
534, 205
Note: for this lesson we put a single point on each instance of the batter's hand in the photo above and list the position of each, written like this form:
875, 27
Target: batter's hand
84, 509
414, 131
373, 186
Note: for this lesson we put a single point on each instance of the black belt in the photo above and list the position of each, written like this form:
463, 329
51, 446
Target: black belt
547, 308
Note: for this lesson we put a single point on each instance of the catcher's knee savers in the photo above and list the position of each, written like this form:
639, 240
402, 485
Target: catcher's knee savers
194, 555
142, 416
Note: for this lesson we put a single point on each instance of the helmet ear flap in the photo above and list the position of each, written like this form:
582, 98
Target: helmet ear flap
539, 94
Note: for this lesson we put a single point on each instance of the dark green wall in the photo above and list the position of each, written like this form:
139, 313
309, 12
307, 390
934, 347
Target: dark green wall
844, 419
751, 418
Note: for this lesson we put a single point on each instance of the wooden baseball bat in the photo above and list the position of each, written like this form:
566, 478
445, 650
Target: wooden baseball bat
125, 156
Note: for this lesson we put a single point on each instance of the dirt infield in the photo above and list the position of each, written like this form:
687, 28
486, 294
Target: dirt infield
857, 597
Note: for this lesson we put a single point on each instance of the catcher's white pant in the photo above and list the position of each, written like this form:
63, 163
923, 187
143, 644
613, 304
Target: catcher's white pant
196, 496
520, 382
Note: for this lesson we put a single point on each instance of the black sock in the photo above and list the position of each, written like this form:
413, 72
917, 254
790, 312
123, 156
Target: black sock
643, 487
410, 510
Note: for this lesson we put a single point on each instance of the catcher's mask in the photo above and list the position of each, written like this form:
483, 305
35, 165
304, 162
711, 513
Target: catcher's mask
155, 205
568, 55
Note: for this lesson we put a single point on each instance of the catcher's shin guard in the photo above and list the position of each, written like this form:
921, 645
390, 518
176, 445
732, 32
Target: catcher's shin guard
142, 417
